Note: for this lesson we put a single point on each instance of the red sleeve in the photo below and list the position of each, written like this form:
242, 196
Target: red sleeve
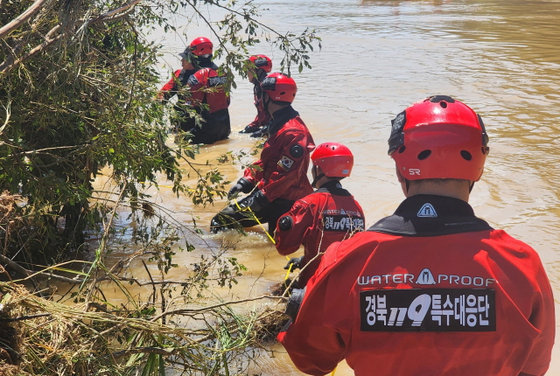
254, 173
197, 83
543, 319
318, 338
302, 217
171, 83
314, 346
289, 169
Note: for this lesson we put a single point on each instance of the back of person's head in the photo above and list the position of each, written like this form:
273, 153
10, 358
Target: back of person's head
439, 138
280, 88
334, 159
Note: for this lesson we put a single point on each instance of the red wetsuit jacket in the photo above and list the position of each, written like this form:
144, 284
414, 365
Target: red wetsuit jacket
205, 84
281, 172
328, 215
178, 80
207, 87
207, 97
430, 290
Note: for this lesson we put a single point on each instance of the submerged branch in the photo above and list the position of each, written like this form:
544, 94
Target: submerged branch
211, 308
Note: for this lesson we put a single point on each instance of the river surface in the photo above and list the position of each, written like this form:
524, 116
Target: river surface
500, 57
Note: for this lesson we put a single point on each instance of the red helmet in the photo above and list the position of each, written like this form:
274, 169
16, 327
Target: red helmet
279, 87
335, 159
262, 61
439, 138
201, 46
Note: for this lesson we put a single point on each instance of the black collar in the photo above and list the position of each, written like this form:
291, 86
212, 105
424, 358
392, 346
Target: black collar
430, 215
281, 117
333, 187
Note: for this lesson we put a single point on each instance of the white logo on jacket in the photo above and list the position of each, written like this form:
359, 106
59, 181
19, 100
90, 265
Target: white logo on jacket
425, 277
427, 211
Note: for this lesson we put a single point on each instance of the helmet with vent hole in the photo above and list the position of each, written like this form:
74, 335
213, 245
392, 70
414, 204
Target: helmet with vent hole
279, 87
439, 138
335, 160
201, 47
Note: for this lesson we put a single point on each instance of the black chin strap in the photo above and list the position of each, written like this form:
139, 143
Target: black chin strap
261, 74
317, 177
266, 102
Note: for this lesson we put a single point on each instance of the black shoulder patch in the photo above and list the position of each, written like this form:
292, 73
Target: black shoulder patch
296, 151
285, 223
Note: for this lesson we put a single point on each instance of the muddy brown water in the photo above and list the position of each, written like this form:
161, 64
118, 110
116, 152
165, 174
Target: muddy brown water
500, 57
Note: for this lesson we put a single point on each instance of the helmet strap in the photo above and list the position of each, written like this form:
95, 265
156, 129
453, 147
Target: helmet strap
266, 101
261, 74
317, 176
471, 187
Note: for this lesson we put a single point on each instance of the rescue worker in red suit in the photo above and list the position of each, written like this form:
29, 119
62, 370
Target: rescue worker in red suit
260, 66
200, 88
431, 289
325, 216
279, 177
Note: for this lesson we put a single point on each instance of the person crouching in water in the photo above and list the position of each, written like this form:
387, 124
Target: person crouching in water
328, 215
279, 177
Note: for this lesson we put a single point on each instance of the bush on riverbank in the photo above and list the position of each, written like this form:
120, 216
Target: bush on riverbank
77, 89
40, 336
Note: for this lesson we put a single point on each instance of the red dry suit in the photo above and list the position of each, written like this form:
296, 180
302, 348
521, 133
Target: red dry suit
430, 290
281, 172
207, 97
207, 88
328, 215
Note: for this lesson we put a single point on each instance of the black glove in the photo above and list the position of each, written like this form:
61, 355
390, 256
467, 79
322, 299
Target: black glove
295, 263
249, 129
262, 132
256, 201
294, 302
242, 185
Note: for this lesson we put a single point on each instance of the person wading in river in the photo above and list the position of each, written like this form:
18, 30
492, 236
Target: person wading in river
261, 65
279, 177
432, 289
325, 216
200, 88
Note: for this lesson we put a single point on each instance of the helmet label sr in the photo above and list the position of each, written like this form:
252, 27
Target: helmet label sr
439, 138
